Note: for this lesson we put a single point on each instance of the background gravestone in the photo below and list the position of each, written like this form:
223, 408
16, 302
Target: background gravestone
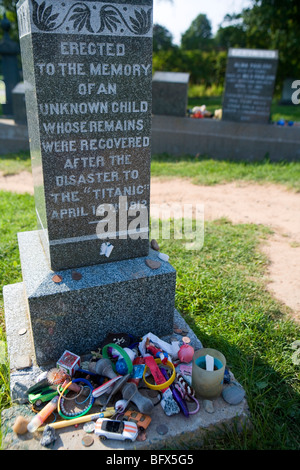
88, 72
170, 93
9, 52
249, 85
287, 91
19, 104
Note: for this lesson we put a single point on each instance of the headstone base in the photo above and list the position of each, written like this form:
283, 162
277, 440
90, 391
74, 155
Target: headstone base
78, 312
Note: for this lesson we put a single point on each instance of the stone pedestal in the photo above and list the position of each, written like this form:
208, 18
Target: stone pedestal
77, 314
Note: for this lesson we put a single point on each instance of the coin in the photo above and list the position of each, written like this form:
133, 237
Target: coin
56, 278
22, 331
89, 427
177, 330
186, 339
87, 440
162, 429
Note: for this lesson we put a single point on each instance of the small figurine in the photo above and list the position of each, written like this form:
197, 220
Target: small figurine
156, 352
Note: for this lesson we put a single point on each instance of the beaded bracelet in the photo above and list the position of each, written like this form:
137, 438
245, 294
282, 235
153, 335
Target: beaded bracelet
70, 415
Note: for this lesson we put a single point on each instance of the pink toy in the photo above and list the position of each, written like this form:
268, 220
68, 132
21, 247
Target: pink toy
185, 353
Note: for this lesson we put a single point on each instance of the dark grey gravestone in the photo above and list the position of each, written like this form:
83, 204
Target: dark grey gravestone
249, 85
19, 104
9, 52
88, 73
287, 91
77, 314
170, 93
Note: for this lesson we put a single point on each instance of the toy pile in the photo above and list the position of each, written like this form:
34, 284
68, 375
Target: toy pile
107, 391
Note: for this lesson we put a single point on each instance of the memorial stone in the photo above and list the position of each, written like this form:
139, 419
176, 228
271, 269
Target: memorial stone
287, 91
249, 85
170, 93
9, 52
87, 74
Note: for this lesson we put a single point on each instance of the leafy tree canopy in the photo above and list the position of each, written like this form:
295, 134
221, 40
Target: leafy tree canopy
162, 38
198, 35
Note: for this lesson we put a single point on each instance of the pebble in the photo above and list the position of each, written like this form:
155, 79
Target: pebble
154, 245
89, 427
153, 264
233, 393
163, 256
76, 276
208, 406
49, 436
20, 426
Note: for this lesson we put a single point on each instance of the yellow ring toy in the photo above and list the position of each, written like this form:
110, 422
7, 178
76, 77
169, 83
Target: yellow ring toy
165, 384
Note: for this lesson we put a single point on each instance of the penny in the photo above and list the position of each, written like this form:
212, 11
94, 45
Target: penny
162, 429
76, 276
56, 278
186, 339
87, 440
89, 427
177, 330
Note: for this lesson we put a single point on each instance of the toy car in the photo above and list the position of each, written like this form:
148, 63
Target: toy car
115, 429
42, 396
140, 419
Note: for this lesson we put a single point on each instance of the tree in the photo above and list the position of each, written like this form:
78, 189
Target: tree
230, 36
274, 24
162, 38
9, 8
198, 35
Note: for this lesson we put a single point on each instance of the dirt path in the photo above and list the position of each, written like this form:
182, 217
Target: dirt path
270, 205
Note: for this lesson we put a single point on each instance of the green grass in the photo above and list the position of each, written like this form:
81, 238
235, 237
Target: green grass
14, 163
203, 170
17, 214
220, 293
199, 169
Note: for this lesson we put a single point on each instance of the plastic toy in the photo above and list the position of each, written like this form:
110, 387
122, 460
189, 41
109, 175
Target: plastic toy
140, 419
68, 362
156, 352
168, 403
186, 353
114, 429
42, 396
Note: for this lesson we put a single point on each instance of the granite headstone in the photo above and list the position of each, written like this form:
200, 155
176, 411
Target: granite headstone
88, 82
170, 93
249, 85
88, 72
287, 91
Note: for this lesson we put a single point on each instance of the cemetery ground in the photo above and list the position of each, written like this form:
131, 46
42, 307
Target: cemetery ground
221, 290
